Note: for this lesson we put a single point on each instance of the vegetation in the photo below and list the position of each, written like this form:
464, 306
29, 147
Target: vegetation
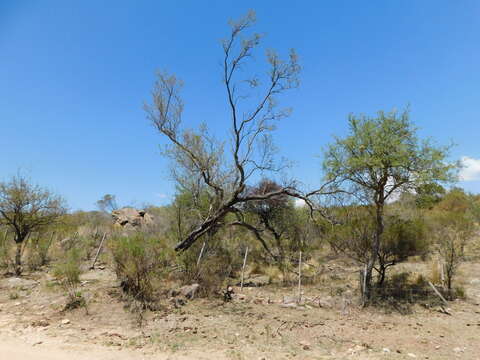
68, 274
26, 208
381, 158
386, 199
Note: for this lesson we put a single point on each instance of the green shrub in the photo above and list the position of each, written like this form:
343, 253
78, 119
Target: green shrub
5, 255
68, 273
139, 260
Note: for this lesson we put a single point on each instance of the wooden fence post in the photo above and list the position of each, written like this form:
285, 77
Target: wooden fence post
98, 251
300, 277
243, 268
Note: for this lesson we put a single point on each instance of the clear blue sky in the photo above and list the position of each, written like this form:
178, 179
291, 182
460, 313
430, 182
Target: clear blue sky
74, 76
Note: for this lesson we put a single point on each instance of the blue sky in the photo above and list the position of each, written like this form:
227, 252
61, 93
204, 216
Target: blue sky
75, 74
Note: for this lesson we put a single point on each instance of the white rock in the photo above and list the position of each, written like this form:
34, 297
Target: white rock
411, 355
65, 321
386, 350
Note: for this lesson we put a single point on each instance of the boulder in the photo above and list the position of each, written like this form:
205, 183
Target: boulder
187, 291
130, 218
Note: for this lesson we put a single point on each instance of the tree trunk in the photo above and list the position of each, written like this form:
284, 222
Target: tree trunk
381, 275
18, 259
375, 248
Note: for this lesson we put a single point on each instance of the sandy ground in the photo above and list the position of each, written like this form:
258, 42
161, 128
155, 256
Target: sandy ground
33, 326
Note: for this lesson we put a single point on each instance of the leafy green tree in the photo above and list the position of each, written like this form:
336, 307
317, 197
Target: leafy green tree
26, 208
380, 158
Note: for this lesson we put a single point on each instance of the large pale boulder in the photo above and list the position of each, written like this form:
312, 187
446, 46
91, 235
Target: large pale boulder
130, 218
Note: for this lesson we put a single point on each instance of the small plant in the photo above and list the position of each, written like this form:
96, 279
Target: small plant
13, 295
68, 275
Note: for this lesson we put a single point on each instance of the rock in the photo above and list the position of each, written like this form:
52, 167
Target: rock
305, 345
65, 321
257, 281
326, 302
16, 282
411, 355
386, 350
475, 282
40, 323
130, 218
458, 350
289, 299
189, 290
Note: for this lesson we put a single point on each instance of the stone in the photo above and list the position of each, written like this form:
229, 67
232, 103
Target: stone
411, 355
305, 345
131, 218
189, 290
287, 299
40, 323
326, 302
386, 350
65, 321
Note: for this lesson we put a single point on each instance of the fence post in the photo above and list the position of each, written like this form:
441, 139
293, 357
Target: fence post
201, 253
300, 278
98, 251
243, 268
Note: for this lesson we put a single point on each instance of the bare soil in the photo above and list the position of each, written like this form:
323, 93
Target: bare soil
258, 326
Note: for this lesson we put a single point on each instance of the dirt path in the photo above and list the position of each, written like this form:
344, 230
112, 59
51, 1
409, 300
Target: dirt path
13, 349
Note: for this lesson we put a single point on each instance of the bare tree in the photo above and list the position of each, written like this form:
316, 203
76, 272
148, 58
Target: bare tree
205, 165
452, 233
26, 208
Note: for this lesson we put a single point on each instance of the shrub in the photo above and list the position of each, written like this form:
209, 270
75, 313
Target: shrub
139, 259
5, 255
217, 264
39, 249
68, 273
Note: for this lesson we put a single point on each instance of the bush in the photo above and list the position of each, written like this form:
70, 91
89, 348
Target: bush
217, 265
139, 260
68, 273
5, 255
38, 252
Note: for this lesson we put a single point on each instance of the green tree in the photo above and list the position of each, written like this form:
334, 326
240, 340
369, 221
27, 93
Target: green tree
107, 203
27, 208
380, 158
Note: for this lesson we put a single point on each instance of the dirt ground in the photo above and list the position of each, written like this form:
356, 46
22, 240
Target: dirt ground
258, 325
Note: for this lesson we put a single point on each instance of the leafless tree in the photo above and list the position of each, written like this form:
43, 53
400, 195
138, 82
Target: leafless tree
27, 208
222, 169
